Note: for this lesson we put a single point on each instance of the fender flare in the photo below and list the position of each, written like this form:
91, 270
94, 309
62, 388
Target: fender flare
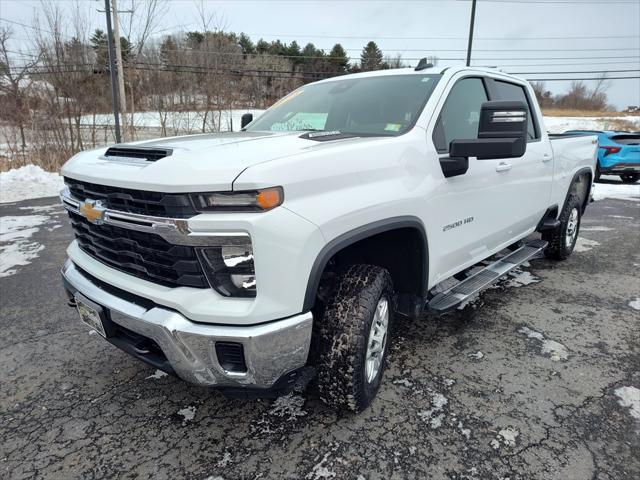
355, 235
579, 173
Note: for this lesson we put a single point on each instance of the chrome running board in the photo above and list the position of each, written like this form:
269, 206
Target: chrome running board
450, 299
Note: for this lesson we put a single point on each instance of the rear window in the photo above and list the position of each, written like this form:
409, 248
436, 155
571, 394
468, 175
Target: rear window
626, 139
511, 91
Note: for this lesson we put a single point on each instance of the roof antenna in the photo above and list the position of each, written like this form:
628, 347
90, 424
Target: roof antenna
423, 65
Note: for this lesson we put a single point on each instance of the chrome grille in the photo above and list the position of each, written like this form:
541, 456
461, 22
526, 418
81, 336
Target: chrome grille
174, 205
144, 255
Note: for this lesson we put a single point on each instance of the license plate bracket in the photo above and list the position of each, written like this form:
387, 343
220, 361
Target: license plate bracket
91, 314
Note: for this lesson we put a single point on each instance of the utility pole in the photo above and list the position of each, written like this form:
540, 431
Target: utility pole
473, 20
121, 93
112, 72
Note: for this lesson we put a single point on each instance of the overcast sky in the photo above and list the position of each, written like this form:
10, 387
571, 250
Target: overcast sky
517, 35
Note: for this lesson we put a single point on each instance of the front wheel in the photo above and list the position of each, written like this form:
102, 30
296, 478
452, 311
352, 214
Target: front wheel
630, 177
354, 337
562, 240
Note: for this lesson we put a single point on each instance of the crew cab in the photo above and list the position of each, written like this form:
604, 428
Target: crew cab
253, 261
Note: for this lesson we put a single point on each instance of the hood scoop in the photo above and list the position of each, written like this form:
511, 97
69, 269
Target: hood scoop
137, 154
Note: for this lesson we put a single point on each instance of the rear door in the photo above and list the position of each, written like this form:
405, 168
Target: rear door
528, 178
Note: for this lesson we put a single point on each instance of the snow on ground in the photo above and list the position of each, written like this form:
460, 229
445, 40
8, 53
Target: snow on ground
584, 244
28, 182
435, 415
596, 228
507, 437
556, 350
188, 121
619, 191
157, 375
188, 413
629, 397
562, 124
16, 248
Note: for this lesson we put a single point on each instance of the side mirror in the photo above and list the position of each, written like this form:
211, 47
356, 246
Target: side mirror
502, 133
246, 119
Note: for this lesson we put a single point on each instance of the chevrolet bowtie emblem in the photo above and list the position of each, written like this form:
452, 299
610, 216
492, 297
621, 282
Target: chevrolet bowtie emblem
92, 210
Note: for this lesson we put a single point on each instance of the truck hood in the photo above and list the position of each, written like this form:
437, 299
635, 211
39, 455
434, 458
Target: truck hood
208, 162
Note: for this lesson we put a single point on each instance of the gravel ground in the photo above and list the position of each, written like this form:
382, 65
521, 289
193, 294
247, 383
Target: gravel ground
537, 378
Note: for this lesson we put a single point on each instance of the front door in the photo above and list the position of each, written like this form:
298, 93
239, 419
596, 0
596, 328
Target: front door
472, 214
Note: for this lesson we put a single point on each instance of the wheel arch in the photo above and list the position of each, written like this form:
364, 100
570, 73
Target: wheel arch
357, 236
580, 187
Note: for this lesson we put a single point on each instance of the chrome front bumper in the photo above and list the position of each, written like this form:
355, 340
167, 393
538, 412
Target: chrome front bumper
271, 349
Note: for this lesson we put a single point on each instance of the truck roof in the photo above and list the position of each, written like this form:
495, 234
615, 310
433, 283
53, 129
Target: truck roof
431, 70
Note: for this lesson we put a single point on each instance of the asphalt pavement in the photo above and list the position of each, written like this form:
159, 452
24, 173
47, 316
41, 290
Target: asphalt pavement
538, 378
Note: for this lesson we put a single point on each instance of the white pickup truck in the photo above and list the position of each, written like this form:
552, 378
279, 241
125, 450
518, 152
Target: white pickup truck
256, 260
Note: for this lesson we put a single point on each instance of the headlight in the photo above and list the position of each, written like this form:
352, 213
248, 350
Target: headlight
230, 270
253, 201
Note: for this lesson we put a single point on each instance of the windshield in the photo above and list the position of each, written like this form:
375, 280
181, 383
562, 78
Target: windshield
384, 105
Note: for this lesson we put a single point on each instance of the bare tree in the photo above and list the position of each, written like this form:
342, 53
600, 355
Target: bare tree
15, 83
144, 18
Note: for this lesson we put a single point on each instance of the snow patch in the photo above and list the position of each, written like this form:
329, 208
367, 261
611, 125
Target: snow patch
320, 470
507, 437
15, 247
288, 407
158, 374
555, 350
434, 415
226, 460
562, 124
520, 278
404, 382
53, 208
466, 432
584, 244
617, 191
478, 355
629, 397
188, 413
635, 304
596, 229
27, 182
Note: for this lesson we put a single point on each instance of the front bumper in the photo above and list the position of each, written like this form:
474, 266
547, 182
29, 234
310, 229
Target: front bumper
272, 350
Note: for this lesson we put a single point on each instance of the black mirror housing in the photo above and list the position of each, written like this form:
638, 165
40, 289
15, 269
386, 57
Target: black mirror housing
502, 133
246, 119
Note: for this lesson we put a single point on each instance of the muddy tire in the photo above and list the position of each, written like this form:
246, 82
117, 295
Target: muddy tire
354, 337
562, 241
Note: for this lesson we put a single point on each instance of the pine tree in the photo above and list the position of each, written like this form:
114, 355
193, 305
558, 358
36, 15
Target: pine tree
371, 57
246, 44
338, 59
294, 52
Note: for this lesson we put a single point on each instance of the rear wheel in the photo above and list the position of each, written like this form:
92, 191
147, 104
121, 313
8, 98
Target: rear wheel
354, 337
563, 239
630, 177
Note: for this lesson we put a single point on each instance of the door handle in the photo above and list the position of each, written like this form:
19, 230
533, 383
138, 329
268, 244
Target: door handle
546, 157
503, 167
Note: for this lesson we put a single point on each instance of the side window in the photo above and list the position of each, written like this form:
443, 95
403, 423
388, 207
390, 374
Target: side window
510, 91
460, 115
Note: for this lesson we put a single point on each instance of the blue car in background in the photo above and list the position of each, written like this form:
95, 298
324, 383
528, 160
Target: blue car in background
618, 153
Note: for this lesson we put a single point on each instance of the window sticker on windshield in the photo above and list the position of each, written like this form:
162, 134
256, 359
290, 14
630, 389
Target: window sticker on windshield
291, 96
393, 127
